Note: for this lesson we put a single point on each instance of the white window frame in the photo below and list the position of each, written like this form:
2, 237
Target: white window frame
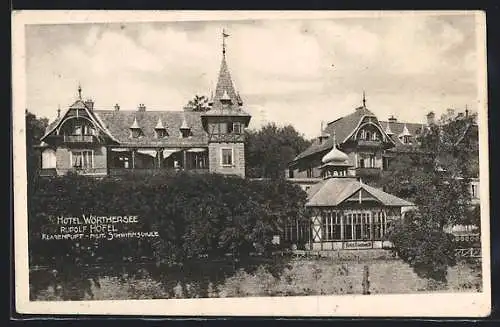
71, 158
222, 157
236, 123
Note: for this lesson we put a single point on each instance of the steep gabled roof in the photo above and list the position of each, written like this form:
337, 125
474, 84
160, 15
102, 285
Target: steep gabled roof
119, 122
334, 191
343, 127
78, 104
398, 128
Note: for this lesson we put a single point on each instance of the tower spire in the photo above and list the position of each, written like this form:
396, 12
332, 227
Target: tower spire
225, 96
364, 99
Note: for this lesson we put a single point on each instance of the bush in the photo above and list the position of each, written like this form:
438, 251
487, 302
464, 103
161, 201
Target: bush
195, 215
424, 246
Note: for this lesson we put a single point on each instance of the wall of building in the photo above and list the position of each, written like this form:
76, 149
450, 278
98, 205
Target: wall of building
215, 158
63, 160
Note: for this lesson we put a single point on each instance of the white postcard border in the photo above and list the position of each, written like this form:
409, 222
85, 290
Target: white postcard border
404, 305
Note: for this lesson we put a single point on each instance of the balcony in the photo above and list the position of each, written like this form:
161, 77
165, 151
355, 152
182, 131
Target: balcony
368, 172
369, 143
80, 139
153, 171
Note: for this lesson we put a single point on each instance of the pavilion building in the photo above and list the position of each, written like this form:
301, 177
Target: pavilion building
347, 213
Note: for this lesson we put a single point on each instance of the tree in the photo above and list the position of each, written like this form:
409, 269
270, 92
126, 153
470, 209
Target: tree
195, 215
35, 129
270, 149
437, 180
198, 104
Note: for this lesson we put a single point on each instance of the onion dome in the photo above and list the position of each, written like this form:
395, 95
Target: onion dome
335, 156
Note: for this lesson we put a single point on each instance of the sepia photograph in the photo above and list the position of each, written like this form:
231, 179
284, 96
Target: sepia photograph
251, 163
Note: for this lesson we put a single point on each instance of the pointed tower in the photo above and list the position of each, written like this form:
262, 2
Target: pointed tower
225, 123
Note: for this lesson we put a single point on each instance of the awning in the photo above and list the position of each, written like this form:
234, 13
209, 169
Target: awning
120, 150
168, 152
197, 150
148, 152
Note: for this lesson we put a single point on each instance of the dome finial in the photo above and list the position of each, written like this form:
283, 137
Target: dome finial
335, 155
364, 99
79, 91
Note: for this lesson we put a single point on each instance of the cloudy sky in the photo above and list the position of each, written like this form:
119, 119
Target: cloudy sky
287, 71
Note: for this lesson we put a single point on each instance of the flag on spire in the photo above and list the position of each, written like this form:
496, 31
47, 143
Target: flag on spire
224, 35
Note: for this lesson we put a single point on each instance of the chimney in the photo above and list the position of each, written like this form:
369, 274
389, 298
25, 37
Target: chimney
90, 104
430, 118
117, 107
141, 107
392, 119
450, 112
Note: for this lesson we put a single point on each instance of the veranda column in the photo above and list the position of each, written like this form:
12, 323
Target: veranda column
342, 222
184, 158
371, 213
133, 158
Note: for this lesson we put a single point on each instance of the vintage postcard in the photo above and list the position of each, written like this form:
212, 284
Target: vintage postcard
251, 163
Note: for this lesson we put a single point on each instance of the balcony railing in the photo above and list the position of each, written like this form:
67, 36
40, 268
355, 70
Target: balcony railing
369, 143
154, 171
80, 139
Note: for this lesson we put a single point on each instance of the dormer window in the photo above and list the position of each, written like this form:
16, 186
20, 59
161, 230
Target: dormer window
406, 139
135, 133
160, 130
185, 129
135, 130
405, 136
161, 133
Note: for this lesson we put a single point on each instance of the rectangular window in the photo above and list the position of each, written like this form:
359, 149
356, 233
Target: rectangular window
365, 223
378, 225
348, 227
77, 130
357, 226
372, 161
331, 226
222, 128
227, 157
82, 159
236, 128
161, 133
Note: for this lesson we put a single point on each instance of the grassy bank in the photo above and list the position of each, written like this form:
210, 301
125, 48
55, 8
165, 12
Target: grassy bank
300, 277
